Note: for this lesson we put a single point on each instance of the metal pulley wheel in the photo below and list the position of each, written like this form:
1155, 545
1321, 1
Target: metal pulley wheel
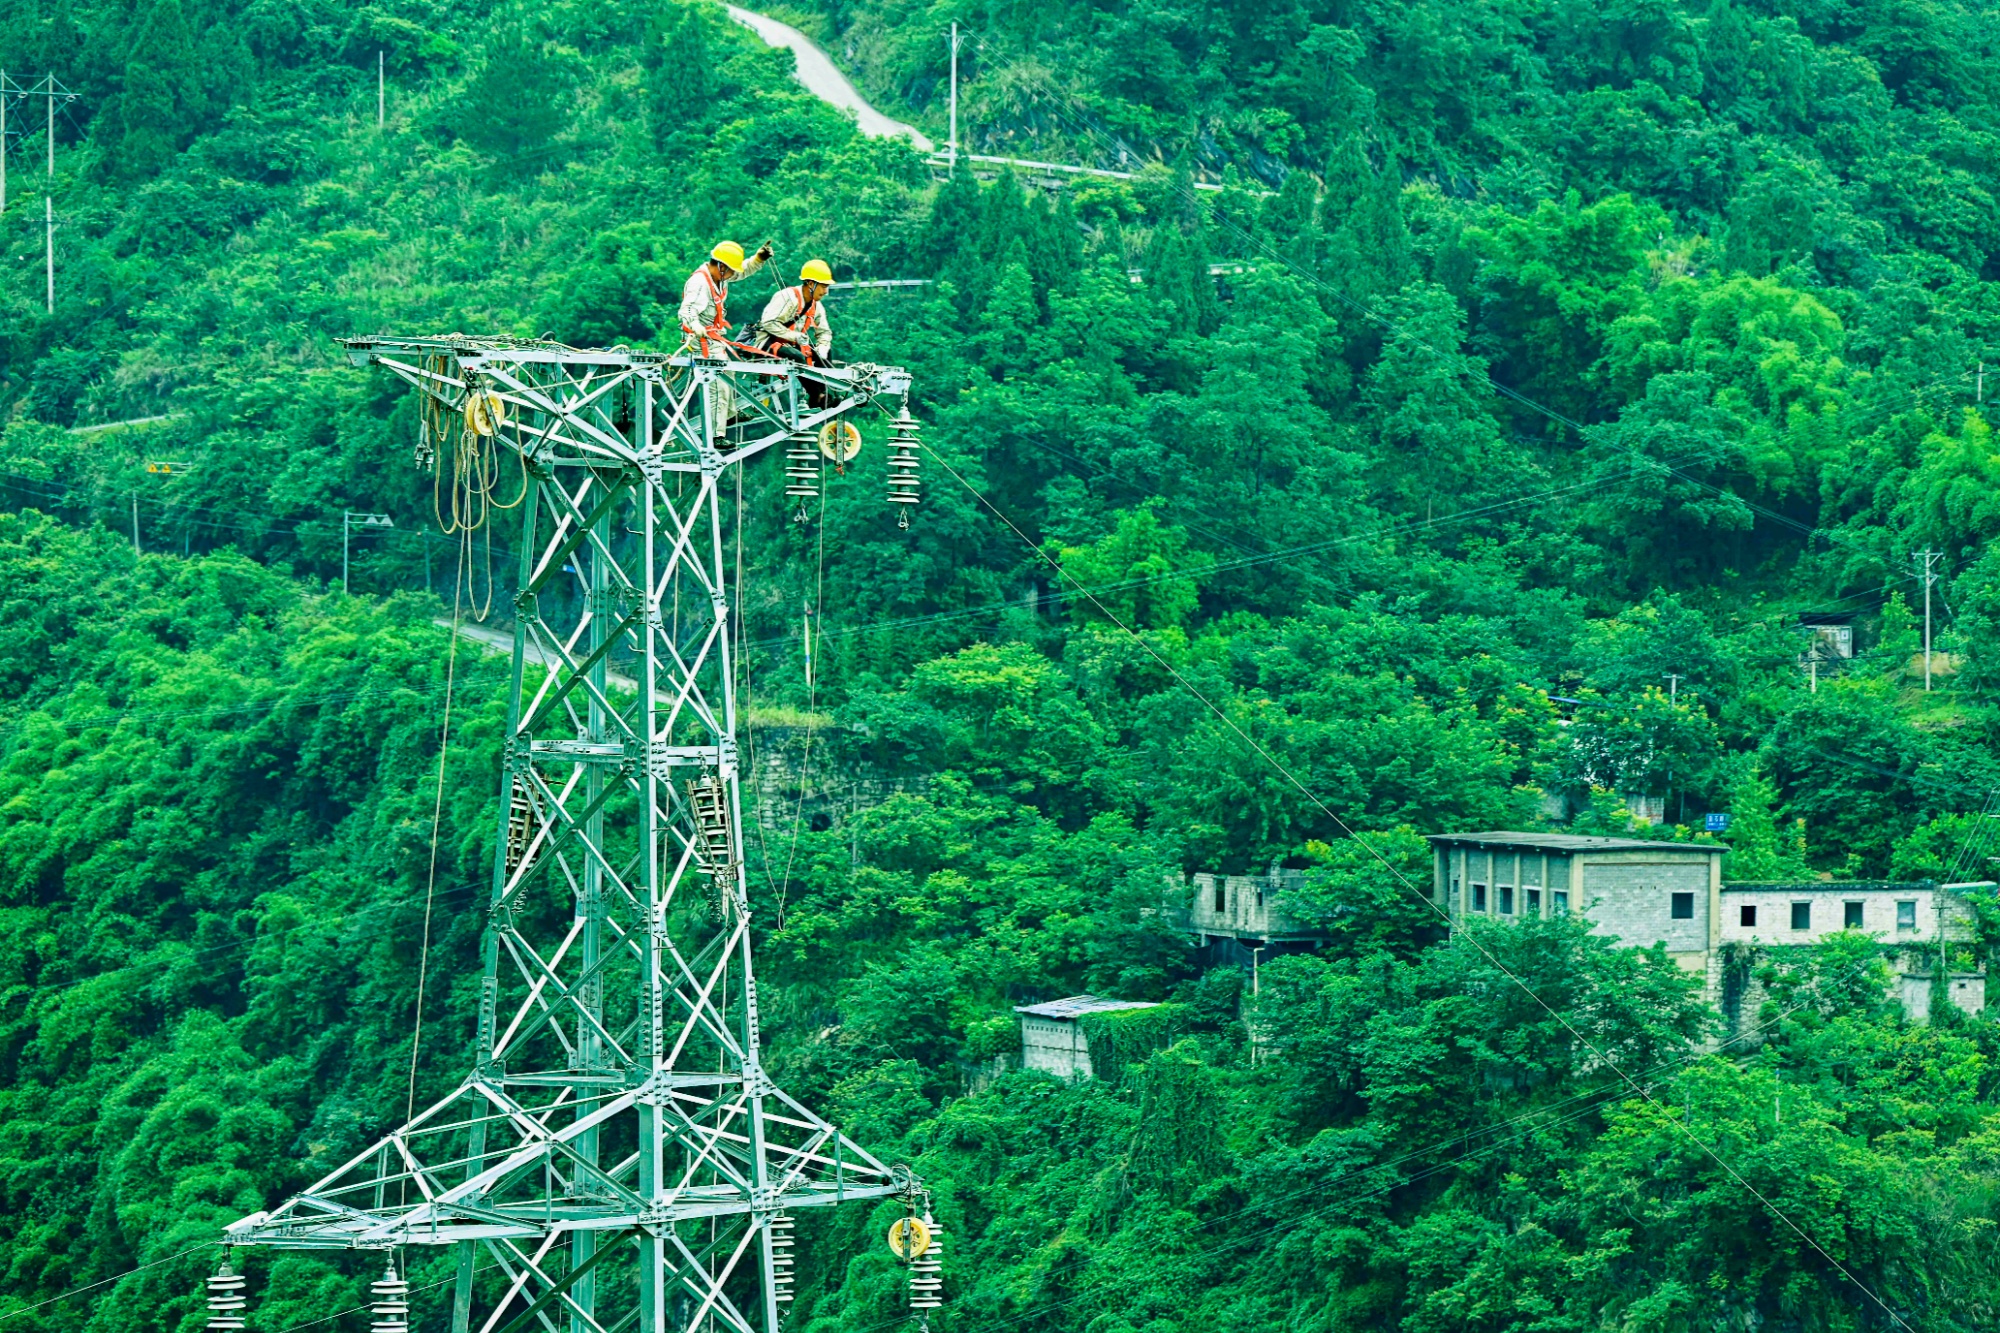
839, 441
908, 1238
485, 413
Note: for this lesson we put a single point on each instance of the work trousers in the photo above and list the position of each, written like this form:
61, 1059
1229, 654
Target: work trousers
816, 395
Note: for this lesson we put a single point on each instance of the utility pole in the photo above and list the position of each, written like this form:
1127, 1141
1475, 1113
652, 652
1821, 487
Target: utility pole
49, 246
1673, 686
158, 467
350, 520
952, 155
135, 523
48, 87
3, 140
1927, 559
381, 93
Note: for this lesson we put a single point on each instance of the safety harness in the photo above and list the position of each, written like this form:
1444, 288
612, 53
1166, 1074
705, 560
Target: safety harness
718, 324
802, 323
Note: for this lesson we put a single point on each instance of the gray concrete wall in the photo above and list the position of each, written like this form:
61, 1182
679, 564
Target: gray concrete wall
1540, 882
1827, 913
1054, 1046
1634, 901
1967, 990
1243, 906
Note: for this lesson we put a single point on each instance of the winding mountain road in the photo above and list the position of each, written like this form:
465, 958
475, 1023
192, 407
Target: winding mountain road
824, 81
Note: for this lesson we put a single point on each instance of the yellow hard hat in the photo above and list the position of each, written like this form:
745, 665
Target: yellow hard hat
816, 271
730, 253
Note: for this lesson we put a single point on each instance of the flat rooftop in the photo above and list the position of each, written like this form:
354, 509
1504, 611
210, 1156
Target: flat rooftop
1571, 842
1827, 886
1078, 1005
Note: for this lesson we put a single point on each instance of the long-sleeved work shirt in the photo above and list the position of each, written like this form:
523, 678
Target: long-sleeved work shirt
787, 318
704, 306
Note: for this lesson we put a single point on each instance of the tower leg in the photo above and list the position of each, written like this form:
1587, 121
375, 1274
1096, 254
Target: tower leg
461, 1294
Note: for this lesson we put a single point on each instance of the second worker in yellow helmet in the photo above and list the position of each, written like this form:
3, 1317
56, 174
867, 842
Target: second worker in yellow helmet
794, 324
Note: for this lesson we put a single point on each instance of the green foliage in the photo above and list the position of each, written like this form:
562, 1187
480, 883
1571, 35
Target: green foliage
1744, 259
1122, 1038
1370, 893
1138, 576
1758, 848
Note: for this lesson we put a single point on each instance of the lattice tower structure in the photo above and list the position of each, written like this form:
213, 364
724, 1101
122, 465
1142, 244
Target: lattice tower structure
617, 1149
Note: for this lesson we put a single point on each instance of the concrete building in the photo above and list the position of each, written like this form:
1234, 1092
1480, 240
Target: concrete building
1241, 918
1642, 892
1806, 912
1672, 894
1052, 1038
1917, 917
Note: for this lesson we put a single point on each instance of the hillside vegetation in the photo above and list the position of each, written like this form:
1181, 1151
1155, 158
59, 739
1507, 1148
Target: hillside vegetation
1560, 349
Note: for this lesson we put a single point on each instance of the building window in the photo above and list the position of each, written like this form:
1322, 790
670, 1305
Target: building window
1683, 908
1559, 900
1801, 916
1260, 893
1506, 900
1850, 916
1747, 915
1221, 897
1479, 897
1534, 902
1906, 915
1453, 900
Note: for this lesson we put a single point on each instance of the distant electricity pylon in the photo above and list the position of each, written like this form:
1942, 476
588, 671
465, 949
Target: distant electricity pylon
617, 1148
13, 97
1927, 571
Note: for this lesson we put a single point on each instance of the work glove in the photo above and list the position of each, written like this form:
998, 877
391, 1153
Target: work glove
764, 251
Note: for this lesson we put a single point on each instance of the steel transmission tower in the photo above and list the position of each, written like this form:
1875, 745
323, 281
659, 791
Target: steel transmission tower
617, 1151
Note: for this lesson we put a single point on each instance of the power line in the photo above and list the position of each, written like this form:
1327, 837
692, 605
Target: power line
92, 1286
1425, 899
1536, 1114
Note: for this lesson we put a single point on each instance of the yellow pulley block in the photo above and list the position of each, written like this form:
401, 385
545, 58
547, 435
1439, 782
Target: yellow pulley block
839, 441
908, 1238
485, 413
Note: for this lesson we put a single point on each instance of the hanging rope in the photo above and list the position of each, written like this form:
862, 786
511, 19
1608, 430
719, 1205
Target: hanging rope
749, 730
812, 703
437, 823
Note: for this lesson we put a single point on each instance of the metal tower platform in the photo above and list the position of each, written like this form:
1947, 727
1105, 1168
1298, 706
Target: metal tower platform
617, 1150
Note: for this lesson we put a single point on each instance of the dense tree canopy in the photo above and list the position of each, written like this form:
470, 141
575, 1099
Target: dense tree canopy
1473, 455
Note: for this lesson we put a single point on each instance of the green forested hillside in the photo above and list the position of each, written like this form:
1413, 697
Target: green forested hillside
1559, 349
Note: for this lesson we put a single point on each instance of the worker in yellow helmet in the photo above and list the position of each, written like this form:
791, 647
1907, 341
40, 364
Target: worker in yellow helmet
704, 318
704, 300
794, 325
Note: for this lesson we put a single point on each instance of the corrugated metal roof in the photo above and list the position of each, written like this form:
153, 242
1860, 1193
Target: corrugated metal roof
1571, 842
1078, 1005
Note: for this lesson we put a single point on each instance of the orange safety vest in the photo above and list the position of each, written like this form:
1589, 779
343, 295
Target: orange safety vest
812, 311
802, 322
718, 326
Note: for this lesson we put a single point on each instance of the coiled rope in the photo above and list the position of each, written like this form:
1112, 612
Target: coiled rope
463, 447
